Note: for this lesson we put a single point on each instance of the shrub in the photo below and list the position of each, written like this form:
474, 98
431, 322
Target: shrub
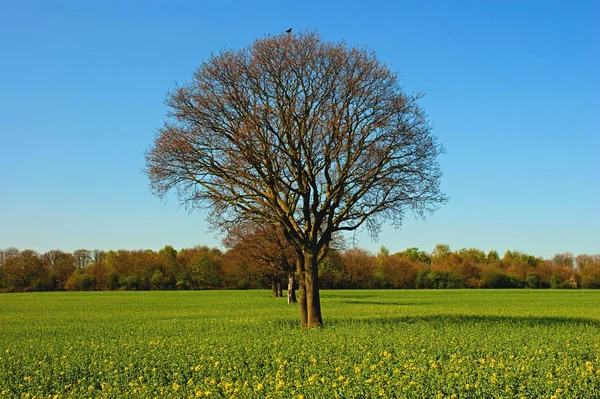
496, 278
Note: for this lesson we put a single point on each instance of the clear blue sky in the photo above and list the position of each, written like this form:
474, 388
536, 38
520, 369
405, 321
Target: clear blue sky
512, 91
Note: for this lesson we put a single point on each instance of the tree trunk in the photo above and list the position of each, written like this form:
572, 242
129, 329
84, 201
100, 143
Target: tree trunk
279, 288
313, 300
291, 291
302, 294
273, 288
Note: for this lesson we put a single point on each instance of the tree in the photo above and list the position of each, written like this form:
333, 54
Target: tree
60, 266
440, 253
265, 251
360, 266
309, 136
414, 255
567, 260
171, 268
5, 256
584, 259
25, 271
83, 257
98, 256
200, 267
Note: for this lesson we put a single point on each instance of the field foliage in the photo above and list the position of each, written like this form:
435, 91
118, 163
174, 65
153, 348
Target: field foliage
245, 344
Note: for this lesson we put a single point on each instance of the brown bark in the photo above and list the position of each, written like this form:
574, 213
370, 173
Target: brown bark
302, 294
313, 302
279, 288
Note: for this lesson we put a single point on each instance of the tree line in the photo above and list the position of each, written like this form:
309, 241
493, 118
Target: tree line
203, 267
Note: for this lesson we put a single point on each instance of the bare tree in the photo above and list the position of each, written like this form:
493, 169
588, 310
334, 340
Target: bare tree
98, 256
23, 268
309, 136
83, 257
567, 260
265, 251
7, 253
60, 265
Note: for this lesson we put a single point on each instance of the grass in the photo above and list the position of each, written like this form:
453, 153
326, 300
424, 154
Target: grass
245, 344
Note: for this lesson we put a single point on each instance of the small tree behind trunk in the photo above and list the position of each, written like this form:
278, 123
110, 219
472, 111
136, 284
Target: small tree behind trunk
291, 290
276, 287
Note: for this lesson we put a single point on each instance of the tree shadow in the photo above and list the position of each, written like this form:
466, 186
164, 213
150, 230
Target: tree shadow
344, 295
385, 303
439, 321
463, 319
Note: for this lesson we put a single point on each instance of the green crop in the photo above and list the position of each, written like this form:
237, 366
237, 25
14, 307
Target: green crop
245, 344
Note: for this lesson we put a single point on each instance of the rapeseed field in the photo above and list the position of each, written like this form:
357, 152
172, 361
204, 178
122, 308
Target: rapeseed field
245, 344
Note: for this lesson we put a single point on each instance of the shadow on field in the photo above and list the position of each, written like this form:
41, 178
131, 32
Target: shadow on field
446, 320
439, 321
344, 295
386, 303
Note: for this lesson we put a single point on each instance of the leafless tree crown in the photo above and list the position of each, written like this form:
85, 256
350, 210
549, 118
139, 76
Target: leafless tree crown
312, 136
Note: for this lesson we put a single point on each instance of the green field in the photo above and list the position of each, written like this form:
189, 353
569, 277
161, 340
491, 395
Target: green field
245, 344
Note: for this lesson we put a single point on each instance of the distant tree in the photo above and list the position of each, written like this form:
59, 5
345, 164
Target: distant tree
360, 266
401, 271
533, 280
590, 275
5, 255
204, 272
582, 260
556, 281
79, 281
414, 255
200, 268
83, 257
492, 256
312, 137
440, 253
473, 255
97, 256
493, 277
236, 272
567, 260
380, 279
101, 272
171, 267
465, 263
25, 271
332, 273
60, 266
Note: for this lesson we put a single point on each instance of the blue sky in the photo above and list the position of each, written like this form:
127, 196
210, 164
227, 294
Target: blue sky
512, 91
